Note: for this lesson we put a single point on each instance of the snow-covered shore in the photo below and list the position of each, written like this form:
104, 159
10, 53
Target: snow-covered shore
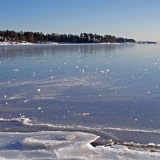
53, 43
23, 43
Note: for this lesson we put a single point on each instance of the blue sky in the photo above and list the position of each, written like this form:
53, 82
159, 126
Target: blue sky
138, 19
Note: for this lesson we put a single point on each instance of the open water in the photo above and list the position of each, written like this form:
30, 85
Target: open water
81, 101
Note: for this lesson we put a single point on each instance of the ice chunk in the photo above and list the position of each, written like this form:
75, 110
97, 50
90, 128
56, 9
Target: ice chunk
38, 90
82, 70
107, 70
85, 114
26, 100
15, 70
151, 144
102, 72
81, 114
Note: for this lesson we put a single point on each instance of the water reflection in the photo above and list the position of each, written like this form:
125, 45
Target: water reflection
55, 50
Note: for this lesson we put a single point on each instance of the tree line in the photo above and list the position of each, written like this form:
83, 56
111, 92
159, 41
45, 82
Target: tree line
39, 37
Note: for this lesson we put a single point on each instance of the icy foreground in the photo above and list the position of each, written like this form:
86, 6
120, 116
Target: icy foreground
63, 145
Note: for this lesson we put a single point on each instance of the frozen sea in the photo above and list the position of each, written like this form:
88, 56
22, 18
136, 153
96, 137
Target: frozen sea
80, 101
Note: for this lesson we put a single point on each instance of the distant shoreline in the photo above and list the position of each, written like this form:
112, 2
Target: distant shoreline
16, 44
66, 43
29, 38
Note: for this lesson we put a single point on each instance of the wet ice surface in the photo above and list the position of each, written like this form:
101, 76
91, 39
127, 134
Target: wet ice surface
113, 89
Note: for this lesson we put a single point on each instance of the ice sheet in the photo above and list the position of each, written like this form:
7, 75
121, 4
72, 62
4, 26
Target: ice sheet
63, 145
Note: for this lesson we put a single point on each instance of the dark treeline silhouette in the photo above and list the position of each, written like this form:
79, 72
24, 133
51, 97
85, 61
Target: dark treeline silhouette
39, 37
